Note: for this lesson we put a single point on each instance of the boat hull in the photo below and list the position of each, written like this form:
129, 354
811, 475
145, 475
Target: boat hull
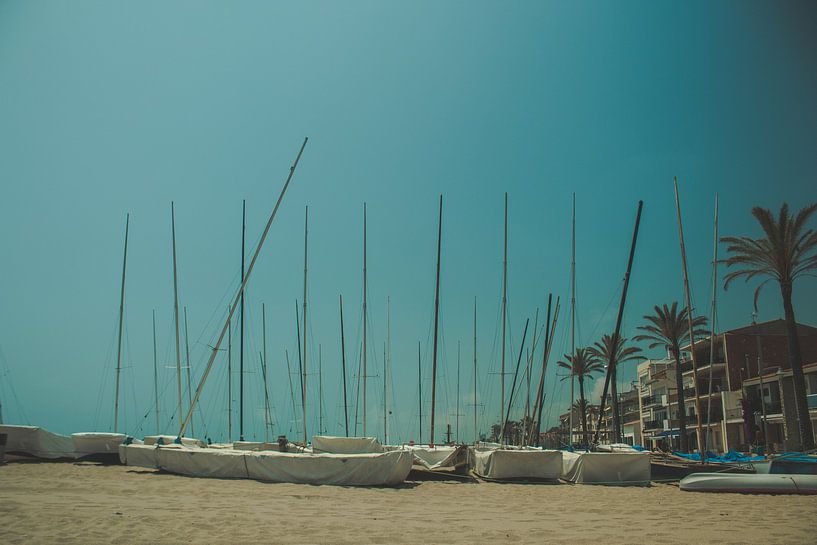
750, 484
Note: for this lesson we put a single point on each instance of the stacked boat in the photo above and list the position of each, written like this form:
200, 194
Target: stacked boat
37, 442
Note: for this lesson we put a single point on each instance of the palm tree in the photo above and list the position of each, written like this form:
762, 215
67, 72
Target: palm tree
582, 364
668, 327
787, 252
603, 351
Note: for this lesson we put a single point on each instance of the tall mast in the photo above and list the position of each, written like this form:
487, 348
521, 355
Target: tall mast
572, 316
436, 323
365, 370
536, 416
320, 390
386, 369
176, 314
504, 314
476, 433
457, 425
155, 375
244, 281
611, 364
300, 361
187, 357
712, 321
303, 368
291, 390
699, 428
267, 412
343, 363
420, 392
119, 339
241, 324
229, 379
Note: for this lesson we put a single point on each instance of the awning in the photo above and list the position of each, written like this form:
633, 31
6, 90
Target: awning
669, 433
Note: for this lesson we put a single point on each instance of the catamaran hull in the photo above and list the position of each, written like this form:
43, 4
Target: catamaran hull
750, 484
506, 465
610, 468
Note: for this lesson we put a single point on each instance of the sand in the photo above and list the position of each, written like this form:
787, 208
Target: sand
87, 503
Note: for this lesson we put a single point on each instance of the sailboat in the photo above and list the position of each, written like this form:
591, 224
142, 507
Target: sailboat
309, 467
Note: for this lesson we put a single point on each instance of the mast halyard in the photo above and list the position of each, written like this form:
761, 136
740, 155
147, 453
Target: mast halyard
241, 334
176, 315
264, 369
291, 391
436, 323
119, 338
698, 428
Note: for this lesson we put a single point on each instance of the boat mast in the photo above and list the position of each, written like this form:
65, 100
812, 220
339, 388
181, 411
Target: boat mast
267, 412
572, 316
241, 334
714, 315
229, 378
187, 357
536, 415
611, 364
504, 317
386, 369
476, 434
300, 360
291, 391
176, 314
244, 281
320, 390
699, 428
436, 323
155, 375
303, 368
457, 425
420, 390
119, 339
343, 364
365, 370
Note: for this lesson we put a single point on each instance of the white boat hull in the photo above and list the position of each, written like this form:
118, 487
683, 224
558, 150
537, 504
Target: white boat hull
750, 483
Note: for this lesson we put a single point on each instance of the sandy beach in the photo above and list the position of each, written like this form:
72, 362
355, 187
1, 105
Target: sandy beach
88, 503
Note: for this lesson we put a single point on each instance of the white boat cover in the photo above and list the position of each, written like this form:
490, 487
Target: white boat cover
750, 483
369, 469
618, 468
503, 464
170, 439
91, 443
372, 469
37, 442
438, 457
138, 455
345, 445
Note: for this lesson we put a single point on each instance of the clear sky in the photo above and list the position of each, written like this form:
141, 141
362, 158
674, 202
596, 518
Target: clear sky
109, 108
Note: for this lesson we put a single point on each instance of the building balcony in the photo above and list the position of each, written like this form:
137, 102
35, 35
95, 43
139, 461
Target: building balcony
812, 401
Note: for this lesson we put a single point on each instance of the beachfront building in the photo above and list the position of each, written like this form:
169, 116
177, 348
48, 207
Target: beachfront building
564, 425
629, 414
656, 386
745, 362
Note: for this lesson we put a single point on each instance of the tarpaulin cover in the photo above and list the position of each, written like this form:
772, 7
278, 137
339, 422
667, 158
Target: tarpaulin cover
372, 469
138, 455
389, 468
345, 445
37, 442
438, 457
91, 443
517, 464
620, 468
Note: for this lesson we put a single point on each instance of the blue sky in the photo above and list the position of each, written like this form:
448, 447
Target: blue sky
111, 108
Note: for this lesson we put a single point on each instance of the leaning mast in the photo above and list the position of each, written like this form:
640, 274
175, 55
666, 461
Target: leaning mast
436, 322
241, 334
303, 368
504, 314
176, 315
121, 315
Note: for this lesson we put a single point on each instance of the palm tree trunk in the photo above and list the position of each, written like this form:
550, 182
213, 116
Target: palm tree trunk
796, 363
583, 408
682, 415
616, 438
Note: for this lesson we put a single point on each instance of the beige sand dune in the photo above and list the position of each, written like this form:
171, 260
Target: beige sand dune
85, 503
